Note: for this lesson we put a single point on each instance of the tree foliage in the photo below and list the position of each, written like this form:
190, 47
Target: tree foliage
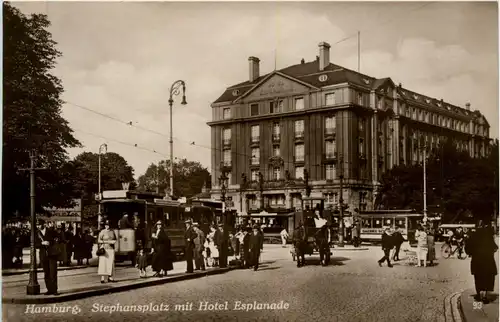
189, 178
114, 171
457, 185
32, 115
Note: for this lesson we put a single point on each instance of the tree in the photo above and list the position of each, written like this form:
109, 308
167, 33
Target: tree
189, 178
32, 118
114, 171
457, 185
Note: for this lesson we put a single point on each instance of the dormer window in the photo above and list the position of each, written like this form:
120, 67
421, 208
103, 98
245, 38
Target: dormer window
226, 113
299, 103
330, 98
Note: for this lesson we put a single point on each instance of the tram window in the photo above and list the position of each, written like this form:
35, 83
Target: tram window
400, 223
377, 223
389, 222
367, 223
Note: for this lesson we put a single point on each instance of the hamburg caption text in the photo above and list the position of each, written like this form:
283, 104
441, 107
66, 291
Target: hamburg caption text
206, 306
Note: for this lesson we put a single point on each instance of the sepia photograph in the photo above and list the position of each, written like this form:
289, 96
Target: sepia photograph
250, 161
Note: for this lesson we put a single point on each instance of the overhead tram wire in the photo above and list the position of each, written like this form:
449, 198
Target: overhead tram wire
191, 143
120, 142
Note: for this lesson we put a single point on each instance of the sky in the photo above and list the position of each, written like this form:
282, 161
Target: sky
121, 58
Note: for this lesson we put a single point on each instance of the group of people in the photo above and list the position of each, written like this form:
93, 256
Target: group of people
391, 241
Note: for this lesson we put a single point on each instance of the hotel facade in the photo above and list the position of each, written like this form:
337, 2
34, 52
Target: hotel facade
326, 120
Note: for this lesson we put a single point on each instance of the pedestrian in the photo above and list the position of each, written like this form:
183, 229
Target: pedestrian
299, 241
50, 249
212, 251
398, 241
284, 237
199, 241
63, 255
234, 245
18, 248
355, 235
68, 236
79, 248
255, 244
106, 252
422, 248
189, 237
142, 262
223, 246
481, 247
88, 244
162, 259
387, 245
431, 246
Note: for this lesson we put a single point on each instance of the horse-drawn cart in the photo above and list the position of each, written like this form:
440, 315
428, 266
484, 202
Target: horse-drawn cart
311, 231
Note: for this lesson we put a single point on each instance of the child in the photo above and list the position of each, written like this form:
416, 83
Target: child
142, 262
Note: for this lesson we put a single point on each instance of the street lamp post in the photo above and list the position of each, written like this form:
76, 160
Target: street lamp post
174, 90
425, 184
341, 202
104, 147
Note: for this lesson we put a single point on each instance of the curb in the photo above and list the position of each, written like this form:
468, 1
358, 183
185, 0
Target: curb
63, 268
348, 249
452, 308
113, 289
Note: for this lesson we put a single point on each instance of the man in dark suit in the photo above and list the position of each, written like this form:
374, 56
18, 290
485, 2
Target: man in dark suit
189, 236
387, 244
255, 243
199, 241
299, 240
398, 241
47, 240
222, 242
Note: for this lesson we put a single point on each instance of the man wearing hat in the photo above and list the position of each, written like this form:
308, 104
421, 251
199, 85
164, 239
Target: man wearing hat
199, 241
189, 236
255, 244
387, 245
221, 239
47, 240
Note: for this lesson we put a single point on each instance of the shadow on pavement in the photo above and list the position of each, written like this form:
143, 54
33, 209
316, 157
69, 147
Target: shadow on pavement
268, 268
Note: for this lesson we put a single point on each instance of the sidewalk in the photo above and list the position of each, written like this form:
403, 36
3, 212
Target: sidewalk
76, 284
473, 311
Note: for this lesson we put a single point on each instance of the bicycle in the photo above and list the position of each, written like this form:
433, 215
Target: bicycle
447, 250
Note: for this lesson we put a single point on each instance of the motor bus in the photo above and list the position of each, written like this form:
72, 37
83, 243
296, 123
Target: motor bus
374, 222
220, 213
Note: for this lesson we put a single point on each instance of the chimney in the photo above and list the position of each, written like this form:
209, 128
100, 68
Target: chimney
302, 61
324, 55
400, 85
467, 106
254, 68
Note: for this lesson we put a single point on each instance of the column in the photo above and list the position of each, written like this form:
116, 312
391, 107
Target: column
374, 156
288, 200
395, 139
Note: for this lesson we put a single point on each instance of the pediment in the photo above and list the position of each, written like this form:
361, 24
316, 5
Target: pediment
276, 86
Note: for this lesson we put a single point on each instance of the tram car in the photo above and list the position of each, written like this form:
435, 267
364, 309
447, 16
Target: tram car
311, 209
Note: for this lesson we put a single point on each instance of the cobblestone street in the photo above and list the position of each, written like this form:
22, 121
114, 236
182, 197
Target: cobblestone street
353, 288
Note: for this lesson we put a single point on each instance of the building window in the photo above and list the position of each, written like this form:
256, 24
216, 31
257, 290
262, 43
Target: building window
226, 113
361, 146
254, 109
276, 131
226, 135
330, 197
408, 112
227, 182
330, 99
330, 172
380, 103
276, 173
276, 151
360, 98
227, 157
299, 172
299, 152
414, 114
299, 129
276, 106
275, 200
255, 133
299, 103
330, 148
255, 156
330, 125
255, 175
427, 117
361, 124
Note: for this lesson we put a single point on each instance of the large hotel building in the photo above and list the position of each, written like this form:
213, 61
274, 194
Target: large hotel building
328, 120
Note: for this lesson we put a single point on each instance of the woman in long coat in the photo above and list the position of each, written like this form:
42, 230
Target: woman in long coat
162, 258
107, 239
431, 254
481, 247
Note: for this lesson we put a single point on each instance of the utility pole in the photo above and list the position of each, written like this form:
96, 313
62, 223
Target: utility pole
425, 184
341, 202
33, 287
158, 178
